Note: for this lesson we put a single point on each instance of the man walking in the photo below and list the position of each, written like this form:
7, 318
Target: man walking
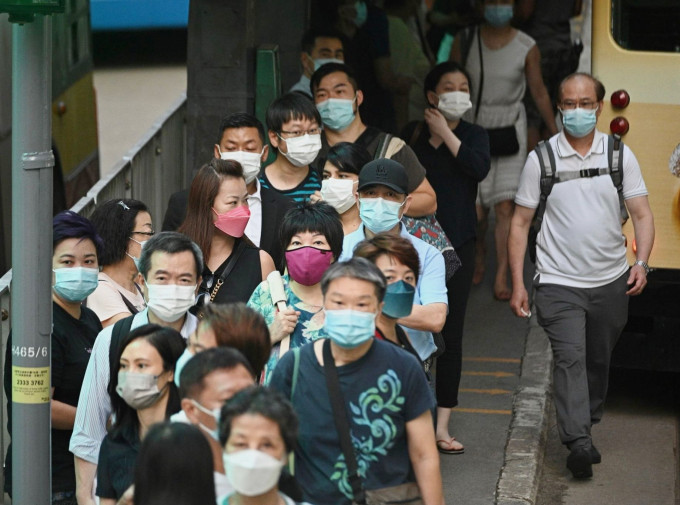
582, 280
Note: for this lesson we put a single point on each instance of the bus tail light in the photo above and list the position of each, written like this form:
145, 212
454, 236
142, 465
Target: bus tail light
620, 99
619, 125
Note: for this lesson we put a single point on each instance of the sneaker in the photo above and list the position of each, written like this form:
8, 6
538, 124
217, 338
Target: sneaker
579, 462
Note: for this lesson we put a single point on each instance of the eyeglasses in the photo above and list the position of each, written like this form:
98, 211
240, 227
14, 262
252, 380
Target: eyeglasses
585, 104
298, 133
147, 233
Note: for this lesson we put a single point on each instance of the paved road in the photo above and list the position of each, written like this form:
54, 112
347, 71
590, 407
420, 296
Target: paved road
492, 348
638, 439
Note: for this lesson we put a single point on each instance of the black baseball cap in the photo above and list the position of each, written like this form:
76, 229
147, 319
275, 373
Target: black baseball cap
385, 172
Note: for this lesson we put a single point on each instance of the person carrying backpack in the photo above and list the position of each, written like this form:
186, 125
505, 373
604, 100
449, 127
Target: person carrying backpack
582, 280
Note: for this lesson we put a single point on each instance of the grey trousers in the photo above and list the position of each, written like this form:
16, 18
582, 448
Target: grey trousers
583, 325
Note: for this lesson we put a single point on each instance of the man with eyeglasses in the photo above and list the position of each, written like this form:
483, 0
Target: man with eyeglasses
582, 280
295, 134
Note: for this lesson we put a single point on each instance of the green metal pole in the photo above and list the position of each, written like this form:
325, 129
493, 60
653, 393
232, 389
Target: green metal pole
32, 165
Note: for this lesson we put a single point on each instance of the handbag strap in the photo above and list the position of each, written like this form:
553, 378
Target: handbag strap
341, 423
481, 70
233, 259
384, 144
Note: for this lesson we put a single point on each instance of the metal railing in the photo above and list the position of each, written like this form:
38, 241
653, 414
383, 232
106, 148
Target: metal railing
151, 171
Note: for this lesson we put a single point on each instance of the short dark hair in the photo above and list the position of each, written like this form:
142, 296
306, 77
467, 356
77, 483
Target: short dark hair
348, 157
238, 326
115, 222
599, 87
163, 477
170, 345
291, 106
391, 245
170, 242
68, 224
262, 401
240, 120
330, 68
317, 217
206, 362
435, 75
309, 37
356, 268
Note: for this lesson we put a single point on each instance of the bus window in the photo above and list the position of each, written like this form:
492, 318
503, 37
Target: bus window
647, 25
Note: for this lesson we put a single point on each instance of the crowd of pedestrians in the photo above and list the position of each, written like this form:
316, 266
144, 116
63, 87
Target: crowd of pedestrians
294, 334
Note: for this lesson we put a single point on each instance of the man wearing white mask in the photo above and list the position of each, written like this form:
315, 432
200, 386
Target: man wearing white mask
210, 379
294, 128
170, 264
241, 138
318, 48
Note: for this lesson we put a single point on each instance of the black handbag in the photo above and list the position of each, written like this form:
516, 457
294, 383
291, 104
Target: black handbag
406, 494
502, 141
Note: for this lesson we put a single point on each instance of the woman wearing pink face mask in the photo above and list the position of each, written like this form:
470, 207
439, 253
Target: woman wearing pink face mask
312, 236
217, 215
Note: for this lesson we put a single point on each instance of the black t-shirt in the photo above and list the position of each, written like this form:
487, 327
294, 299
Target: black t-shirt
72, 341
241, 281
454, 179
383, 391
370, 140
116, 468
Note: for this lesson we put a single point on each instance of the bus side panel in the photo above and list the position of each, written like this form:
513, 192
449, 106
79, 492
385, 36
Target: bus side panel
654, 133
74, 132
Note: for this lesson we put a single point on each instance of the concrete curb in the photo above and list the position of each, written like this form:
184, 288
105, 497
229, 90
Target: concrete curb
520, 474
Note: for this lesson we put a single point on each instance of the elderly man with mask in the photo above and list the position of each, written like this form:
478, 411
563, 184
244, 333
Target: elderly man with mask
382, 197
208, 380
170, 265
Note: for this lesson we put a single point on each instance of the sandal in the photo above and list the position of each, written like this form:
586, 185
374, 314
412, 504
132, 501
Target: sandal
448, 446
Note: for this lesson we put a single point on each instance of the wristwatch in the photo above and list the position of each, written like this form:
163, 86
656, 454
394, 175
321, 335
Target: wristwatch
644, 265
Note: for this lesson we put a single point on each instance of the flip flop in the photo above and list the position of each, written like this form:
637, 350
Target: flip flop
444, 446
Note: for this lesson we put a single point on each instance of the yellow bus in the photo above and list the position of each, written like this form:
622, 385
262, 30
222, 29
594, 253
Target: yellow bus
74, 119
636, 54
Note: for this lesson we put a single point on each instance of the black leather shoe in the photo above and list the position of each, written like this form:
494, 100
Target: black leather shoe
595, 456
579, 462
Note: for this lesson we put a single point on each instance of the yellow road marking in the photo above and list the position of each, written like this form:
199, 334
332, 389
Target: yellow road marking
494, 360
486, 391
484, 411
491, 374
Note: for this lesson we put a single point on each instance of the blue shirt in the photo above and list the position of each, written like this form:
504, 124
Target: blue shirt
431, 286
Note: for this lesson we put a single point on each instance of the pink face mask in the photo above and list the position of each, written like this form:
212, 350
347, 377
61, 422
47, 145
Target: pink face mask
306, 265
233, 222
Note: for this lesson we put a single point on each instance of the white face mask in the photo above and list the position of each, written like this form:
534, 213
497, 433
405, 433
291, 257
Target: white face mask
454, 104
169, 302
339, 193
251, 162
252, 472
215, 414
302, 150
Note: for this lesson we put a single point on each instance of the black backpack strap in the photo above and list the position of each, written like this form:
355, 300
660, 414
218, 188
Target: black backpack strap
466, 36
120, 330
481, 71
615, 159
342, 423
546, 160
384, 144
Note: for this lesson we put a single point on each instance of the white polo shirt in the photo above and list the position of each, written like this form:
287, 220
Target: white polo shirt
580, 243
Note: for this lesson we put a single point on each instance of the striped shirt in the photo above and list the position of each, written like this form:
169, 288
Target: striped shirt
94, 403
301, 192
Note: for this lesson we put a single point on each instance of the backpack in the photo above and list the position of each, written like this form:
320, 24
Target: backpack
549, 176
